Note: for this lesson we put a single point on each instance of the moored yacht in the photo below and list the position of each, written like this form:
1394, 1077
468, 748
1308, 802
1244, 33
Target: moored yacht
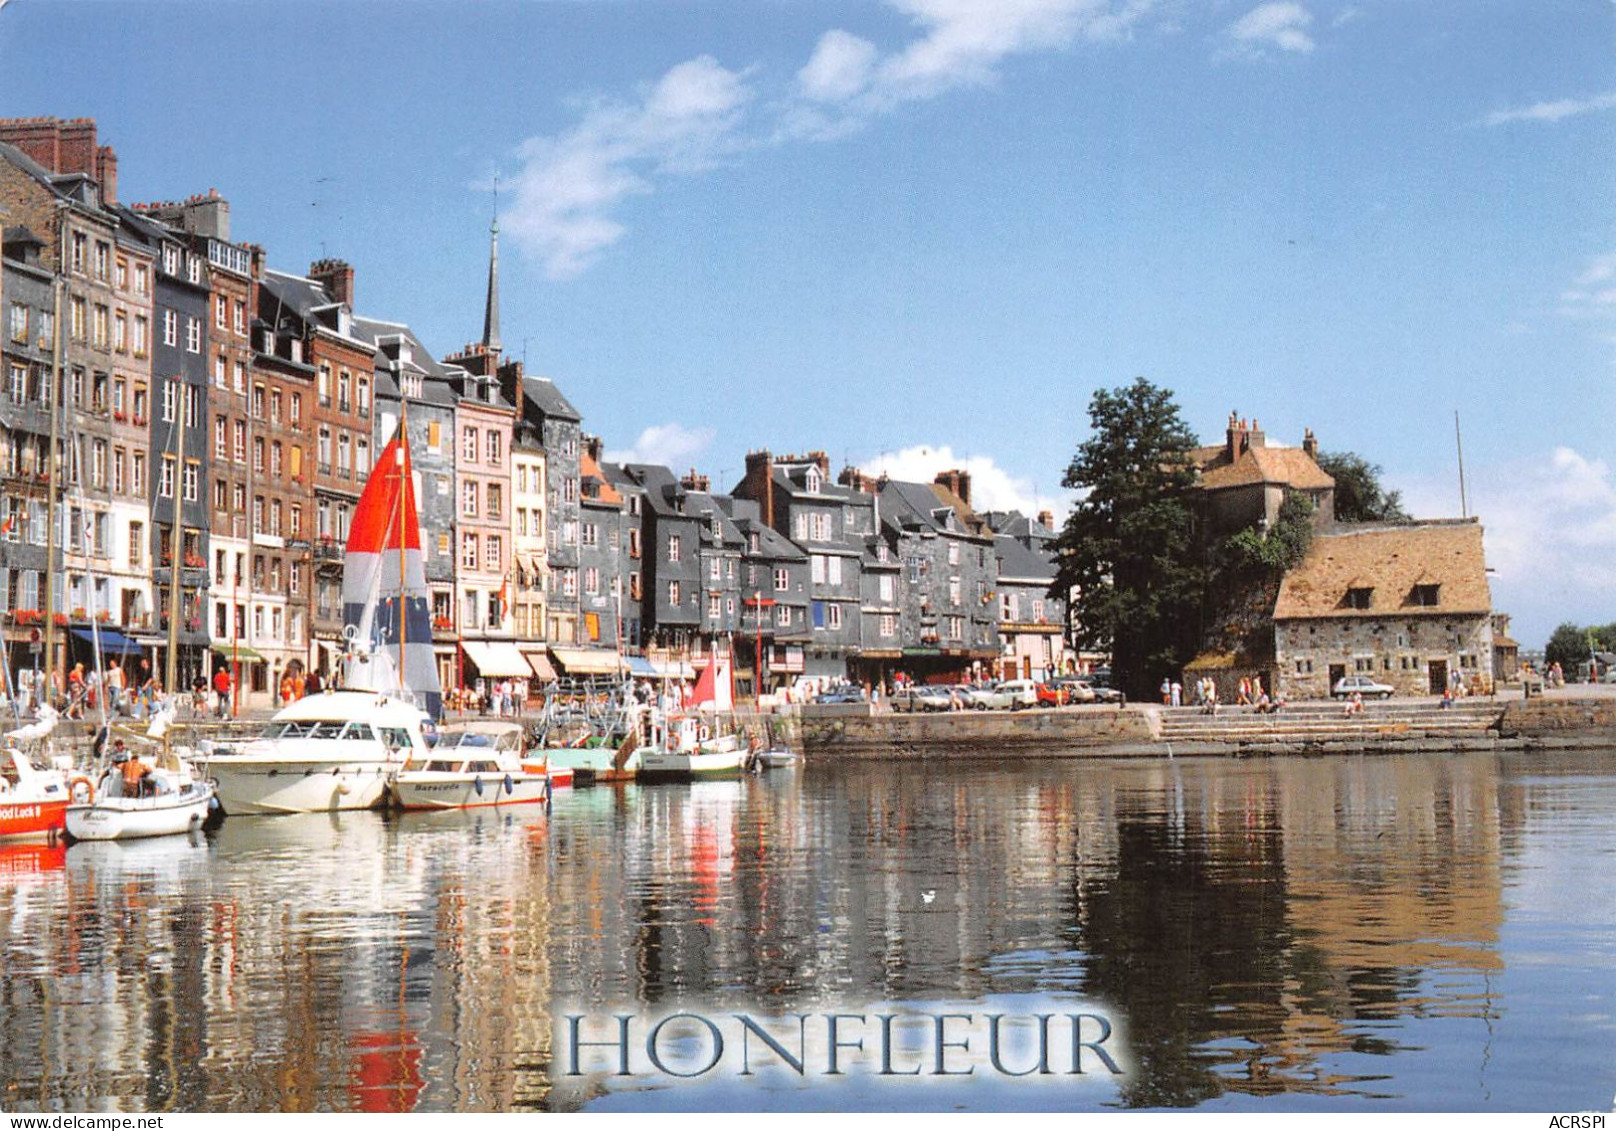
332, 751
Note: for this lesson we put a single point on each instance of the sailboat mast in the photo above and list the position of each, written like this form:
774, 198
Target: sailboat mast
176, 542
403, 486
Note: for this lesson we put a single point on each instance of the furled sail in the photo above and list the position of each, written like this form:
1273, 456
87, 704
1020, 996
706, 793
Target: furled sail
386, 607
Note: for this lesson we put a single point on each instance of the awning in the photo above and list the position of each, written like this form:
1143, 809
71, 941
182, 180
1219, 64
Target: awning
588, 661
674, 670
111, 639
640, 666
539, 661
496, 658
234, 652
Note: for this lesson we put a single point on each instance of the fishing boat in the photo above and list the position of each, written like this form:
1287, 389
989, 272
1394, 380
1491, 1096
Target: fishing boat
588, 736
170, 800
685, 747
33, 801
338, 750
473, 764
775, 758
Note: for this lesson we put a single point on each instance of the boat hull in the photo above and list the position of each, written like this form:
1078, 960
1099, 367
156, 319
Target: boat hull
31, 820
426, 790
132, 818
258, 787
672, 765
590, 763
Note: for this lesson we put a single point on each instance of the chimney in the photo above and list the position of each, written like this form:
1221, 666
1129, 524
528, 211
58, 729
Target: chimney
956, 481
1046, 519
1236, 444
823, 460
694, 482
857, 480
65, 147
1310, 443
759, 482
1255, 437
336, 276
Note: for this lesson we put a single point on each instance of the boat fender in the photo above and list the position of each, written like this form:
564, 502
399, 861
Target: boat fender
89, 789
344, 788
477, 784
510, 786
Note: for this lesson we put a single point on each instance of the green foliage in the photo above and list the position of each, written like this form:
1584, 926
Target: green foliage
1250, 557
1359, 496
1128, 549
1568, 646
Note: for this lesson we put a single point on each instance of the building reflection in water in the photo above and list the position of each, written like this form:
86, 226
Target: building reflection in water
1259, 927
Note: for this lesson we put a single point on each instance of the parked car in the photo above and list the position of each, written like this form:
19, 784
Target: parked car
842, 695
923, 697
986, 697
1022, 692
1085, 692
1347, 686
1052, 695
1077, 690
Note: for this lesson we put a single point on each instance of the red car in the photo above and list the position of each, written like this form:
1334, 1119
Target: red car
1052, 695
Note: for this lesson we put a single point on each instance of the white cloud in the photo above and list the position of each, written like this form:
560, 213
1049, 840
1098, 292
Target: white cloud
1551, 536
671, 445
572, 186
1282, 24
1592, 294
568, 185
1555, 111
992, 487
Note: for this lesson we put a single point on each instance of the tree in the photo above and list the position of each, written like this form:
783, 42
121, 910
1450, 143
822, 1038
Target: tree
1127, 552
1359, 496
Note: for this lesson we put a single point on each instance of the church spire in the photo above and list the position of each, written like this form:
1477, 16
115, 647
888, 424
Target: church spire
491, 314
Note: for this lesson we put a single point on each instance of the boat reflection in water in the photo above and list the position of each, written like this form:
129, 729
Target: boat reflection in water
1330, 933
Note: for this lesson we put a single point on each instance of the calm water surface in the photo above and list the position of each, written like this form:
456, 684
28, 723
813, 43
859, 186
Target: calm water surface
1391, 933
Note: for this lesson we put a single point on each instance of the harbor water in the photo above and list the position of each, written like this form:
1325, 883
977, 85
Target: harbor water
1341, 933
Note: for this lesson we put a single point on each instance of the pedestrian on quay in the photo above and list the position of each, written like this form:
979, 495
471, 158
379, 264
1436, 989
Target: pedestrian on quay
311, 685
221, 690
114, 688
1243, 695
1177, 692
1167, 691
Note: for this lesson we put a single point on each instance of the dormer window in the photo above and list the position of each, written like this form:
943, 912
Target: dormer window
1358, 597
812, 481
1427, 596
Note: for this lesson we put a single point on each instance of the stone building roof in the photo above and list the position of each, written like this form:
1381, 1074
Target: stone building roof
1293, 467
1398, 565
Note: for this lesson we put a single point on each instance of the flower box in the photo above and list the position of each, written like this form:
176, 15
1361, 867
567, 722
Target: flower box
59, 620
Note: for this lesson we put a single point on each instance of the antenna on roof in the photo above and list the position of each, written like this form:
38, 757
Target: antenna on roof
1458, 440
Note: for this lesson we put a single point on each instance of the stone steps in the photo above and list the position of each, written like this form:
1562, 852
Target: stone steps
1327, 722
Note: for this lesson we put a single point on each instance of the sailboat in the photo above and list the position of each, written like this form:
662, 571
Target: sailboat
340, 749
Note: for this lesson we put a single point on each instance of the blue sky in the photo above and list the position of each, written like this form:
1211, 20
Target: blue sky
916, 232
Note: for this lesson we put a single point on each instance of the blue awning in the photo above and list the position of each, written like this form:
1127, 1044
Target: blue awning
112, 641
640, 666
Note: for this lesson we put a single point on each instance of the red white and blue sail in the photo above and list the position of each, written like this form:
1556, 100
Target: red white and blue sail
386, 607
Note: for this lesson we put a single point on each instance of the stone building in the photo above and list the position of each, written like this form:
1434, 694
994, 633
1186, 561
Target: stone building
775, 602
671, 616
1407, 604
1032, 624
27, 347
1243, 481
949, 614
414, 388
832, 523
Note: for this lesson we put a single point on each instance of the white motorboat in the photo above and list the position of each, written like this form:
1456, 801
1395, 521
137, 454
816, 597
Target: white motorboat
32, 800
775, 758
473, 764
332, 751
169, 801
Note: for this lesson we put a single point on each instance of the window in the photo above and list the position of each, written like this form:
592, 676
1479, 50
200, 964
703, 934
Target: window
193, 481
468, 499
323, 386
1358, 598
434, 435
142, 280
364, 396
239, 442
715, 569
592, 580
833, 617
297, 409
833, 570
219, 372
468, 444
77, 311
220, 310
344, 454
241, 317
138, 343
591, 534
101, 326
782, 616
221, 439
165, 480
344, 392
19, 322
782, 579
715, 606
1425, 595
887, 585
492, 447
258, 402
674, 594
325, 449
239, 380
889, 625
817, 569
673, 547
119, 458
275, 459
496, 503
297, 532
170, 395
137, 473
193, 334
493, 553
634, 542
955, 627
362, 456
468, 551
953, 553
81, 248
171, 328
